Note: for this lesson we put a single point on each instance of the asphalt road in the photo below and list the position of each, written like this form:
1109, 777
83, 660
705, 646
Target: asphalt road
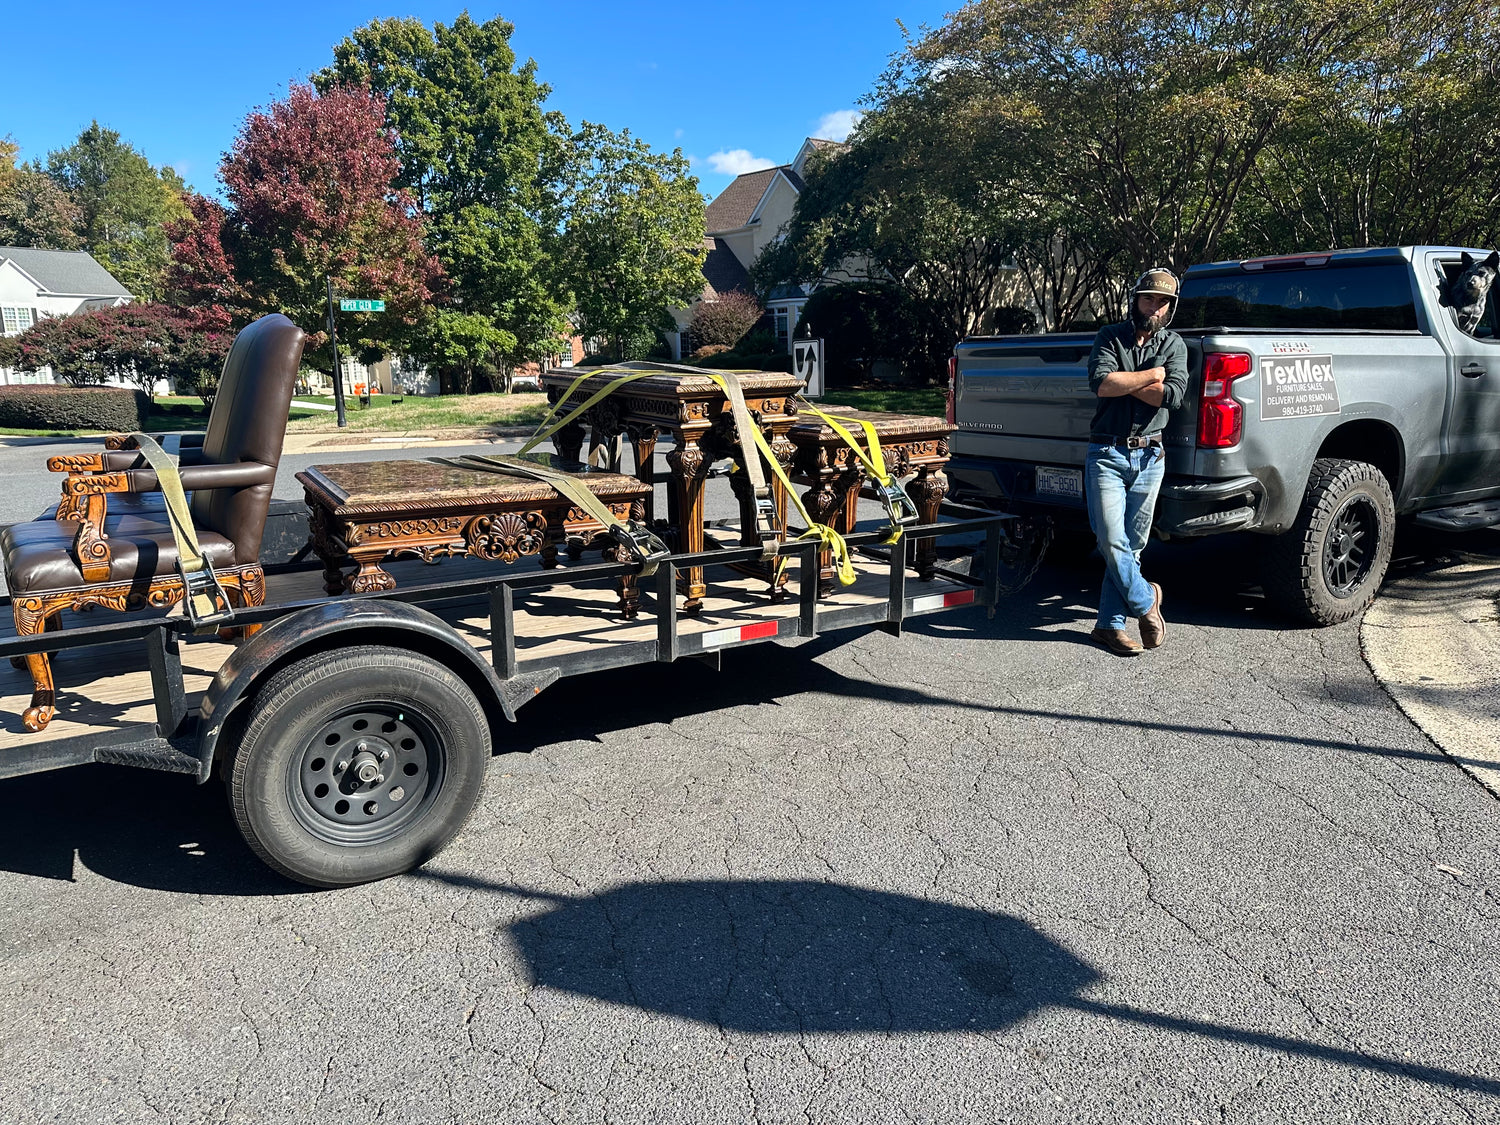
981, 872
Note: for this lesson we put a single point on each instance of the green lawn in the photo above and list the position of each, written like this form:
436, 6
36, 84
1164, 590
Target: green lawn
435, 412
895, 400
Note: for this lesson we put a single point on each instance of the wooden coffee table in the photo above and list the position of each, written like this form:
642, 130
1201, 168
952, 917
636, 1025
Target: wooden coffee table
363, 512
910, 444
696, 413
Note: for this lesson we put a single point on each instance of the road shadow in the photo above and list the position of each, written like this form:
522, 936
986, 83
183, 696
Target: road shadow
799, 957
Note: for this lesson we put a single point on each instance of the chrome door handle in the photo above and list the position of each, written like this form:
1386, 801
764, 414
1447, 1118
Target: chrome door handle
1471, 370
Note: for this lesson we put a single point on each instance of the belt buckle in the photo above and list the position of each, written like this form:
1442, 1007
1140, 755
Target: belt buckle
641, 543
203, 581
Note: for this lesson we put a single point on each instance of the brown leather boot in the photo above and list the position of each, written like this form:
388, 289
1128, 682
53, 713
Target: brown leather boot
1153, 625
1118, 641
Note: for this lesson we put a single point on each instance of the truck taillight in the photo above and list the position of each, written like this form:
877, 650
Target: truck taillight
1221, 420
952, 380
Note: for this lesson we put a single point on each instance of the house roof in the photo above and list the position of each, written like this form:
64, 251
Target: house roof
732, 207
72, 273
722, 270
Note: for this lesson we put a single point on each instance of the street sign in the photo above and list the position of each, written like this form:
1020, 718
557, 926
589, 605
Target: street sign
351, 304
807, 365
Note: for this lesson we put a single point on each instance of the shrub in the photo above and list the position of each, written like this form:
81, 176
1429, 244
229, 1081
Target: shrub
709, 350
725, 319
114, 409
1012, 320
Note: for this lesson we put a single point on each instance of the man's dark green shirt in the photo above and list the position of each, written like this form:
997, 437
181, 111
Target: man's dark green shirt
1115, 349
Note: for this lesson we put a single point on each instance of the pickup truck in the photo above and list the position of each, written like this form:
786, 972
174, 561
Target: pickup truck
1328, 395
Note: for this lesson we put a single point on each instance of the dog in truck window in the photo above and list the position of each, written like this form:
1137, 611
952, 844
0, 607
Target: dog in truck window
1468, 291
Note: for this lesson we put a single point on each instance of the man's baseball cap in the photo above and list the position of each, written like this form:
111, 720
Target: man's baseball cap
1160, 281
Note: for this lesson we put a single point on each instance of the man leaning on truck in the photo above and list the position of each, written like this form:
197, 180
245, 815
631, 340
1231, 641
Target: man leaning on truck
1138, 370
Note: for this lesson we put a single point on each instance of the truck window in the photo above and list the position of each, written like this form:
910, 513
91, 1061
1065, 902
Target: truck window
1490, 321
1353, 298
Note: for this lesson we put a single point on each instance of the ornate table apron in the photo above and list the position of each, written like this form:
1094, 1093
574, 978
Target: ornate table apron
364, 512
696, 413
911, 444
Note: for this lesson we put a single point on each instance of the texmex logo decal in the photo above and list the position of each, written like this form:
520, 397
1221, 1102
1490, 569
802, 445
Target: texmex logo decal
1297, 386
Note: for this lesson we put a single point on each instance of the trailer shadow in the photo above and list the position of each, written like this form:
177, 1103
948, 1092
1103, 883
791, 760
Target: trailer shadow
794, 957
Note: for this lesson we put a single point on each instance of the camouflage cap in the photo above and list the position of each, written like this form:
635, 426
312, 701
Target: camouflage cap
1160, 281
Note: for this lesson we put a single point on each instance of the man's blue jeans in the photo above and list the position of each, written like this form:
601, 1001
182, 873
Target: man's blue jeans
1121, 486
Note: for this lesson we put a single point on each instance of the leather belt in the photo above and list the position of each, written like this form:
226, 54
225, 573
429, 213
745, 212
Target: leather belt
1140, 441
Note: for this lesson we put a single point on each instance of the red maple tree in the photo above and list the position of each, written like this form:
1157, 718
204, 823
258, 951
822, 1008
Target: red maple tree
309, 191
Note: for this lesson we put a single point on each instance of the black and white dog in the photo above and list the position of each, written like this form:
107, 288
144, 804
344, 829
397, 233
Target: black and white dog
1468, 291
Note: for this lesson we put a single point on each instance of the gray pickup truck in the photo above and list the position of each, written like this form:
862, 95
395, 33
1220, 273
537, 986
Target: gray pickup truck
1328, 394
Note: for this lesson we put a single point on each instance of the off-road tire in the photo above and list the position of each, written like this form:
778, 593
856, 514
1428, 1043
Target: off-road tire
341, 708
1301, 568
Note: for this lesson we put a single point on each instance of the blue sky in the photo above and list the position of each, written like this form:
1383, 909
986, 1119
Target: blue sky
732, 84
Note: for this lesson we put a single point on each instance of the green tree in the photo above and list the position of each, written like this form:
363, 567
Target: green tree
1402, 148
472, 140
34, 210
631, 242
124, 206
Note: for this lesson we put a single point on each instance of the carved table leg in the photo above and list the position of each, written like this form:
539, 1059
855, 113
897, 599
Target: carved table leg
568, 441
927, 490
31, 618
327, 544
630, 591
828, 502
643, 445
549, 553
369, 577
689, 471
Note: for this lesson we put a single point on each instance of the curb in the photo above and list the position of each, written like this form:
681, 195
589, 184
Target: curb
1433, 642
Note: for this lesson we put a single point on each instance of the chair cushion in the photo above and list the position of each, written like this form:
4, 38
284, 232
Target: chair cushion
39, 553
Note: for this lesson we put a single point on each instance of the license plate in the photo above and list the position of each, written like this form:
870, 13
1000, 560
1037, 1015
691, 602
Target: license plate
1065, 483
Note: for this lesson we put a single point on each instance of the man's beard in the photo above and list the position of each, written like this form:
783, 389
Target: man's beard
1153, 323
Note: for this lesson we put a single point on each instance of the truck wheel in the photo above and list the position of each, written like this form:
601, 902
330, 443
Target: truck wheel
357, 764
1330, 564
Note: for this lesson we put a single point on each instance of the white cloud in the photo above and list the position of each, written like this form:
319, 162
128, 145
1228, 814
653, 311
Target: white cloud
738, 161
677, 133
837, 126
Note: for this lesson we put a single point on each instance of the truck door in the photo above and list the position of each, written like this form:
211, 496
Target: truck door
1471, 461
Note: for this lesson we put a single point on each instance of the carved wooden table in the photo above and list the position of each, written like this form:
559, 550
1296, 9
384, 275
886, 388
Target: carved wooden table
910, 444
696, 413
362, 512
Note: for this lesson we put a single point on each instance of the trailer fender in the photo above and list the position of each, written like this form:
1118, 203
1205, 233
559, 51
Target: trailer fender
338, 624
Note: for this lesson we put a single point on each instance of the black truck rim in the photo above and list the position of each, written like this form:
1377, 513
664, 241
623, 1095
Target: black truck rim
1350, 546
366, 775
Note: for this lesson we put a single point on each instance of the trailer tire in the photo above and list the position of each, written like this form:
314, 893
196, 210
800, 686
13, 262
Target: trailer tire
1331, 563
357, 764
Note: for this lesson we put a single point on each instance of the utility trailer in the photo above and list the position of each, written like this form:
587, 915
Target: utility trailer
353, 732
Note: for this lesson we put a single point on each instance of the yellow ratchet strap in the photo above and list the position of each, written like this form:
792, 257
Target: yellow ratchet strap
897, 504
636, 539
204, 600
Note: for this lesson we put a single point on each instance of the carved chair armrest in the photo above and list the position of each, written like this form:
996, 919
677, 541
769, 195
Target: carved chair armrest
76, 463
84, 500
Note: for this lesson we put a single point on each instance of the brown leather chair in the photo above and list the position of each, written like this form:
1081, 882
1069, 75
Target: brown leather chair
127, 559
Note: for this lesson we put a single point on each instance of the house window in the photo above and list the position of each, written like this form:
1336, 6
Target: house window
782, 316
16, 320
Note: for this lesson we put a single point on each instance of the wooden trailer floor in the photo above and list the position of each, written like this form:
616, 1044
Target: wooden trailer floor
106, 688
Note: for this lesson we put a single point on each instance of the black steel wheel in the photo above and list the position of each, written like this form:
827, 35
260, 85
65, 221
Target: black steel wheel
1331, 562
357, 764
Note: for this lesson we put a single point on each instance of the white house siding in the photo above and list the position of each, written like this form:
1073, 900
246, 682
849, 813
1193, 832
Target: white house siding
23, 303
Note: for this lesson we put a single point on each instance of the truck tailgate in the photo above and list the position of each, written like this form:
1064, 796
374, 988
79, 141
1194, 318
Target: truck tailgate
1033, 387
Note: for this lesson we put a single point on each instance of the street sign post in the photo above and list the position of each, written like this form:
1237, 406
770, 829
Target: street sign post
338, 373
807, 365
360, 304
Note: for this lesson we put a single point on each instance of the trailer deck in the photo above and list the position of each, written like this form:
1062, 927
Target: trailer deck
119, 700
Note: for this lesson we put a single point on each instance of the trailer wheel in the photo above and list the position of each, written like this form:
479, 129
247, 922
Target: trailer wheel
357, 764
1330, 564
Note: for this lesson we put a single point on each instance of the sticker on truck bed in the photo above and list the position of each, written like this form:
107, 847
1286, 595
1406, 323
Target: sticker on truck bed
1297, 386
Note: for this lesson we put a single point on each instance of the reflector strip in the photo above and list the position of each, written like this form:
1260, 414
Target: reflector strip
719, 637
941, 601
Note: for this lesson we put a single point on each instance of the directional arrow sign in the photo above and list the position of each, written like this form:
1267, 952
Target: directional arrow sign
807, 365
361, 304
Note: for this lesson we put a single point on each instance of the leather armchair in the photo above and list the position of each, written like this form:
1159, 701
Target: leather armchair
109, 542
